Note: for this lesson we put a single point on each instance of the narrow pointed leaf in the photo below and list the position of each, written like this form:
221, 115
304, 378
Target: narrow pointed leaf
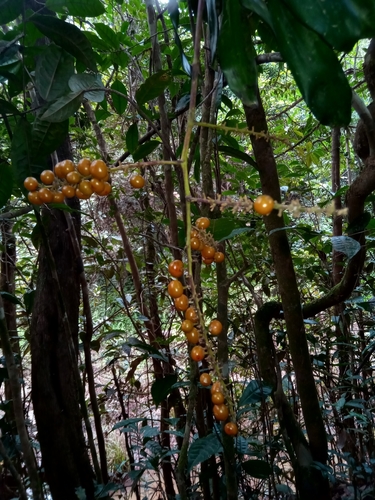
8, 108
6, 183
254, 393
63, 108
202, 449
213, 26
236, 153
67, 36
340, 22
174, 15
53, 69
236, 52
132, 138
260, 8
107, 35
311, 59
162, 387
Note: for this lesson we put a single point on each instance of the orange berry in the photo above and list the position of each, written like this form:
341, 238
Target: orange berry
205, 379
197, 353
175, 289
30, 183
193, 336
181, 303
202, 223
85, 188
221, 412
107, 189
187, 325
66, 167
33, 197
82, 196
208, 252
195, 243
217, 398
98, 169
73, 177
45, 195
231, 429
83, 167
264, 204
176, 268
208, 262
215, 327
219, 257
68, 191
216, 387
191, 314
47, 177
97, 185
137, 181
58, 197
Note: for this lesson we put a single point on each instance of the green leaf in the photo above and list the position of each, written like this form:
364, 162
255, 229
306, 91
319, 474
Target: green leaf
236, 232
53, 69
132, 138
257, 468
221, 228
107, 35
145, 150
346, 245
20, 151
6, 183
47, 136
126, 422
254, 393
260, 8
202, 449
67, 36
174, 15
11, 298
162, 387
153, 87
213, 26
85, 81
81, 8
9, 10
236, 52
340, 22
236, 153
63, 108
28, 300
149, 349
311, 59
8, 108
119, 102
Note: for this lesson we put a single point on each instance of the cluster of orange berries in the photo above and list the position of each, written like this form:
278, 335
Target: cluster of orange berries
69, 180
200, 242
193, 335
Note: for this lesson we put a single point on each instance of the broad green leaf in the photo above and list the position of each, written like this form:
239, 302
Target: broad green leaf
81, 8
126, 422
119, 102
108, 35
161, 388
310, 59
145, 150
67, 36
8, 108
257, 468
9, 53
260, 8
202, 449
9, 10
254, 393
236, 153
6, 183
132, 138
85, 81
153, 87
53, 69
236, 52
340, 22
221, 228
20, 151
236, 232
346, 245
63, 108
47, 136
149, 349
28, 300
11, 298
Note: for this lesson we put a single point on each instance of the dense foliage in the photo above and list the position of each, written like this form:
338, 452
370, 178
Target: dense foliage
264, 387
